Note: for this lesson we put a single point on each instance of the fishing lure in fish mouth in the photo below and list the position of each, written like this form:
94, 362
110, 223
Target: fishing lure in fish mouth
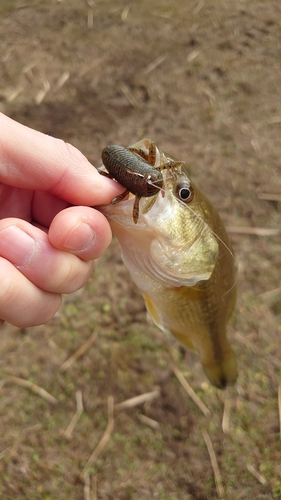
136, 170
179, 256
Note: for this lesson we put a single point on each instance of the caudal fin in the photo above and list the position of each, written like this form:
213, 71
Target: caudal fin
222, 373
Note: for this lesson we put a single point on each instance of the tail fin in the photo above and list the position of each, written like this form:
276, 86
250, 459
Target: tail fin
222, 373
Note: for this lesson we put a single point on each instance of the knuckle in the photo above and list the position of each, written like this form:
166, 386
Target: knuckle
72, 275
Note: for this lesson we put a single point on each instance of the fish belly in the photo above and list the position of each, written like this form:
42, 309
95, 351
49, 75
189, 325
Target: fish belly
190, 315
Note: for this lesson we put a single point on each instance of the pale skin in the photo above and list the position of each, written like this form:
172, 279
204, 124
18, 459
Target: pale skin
49, 235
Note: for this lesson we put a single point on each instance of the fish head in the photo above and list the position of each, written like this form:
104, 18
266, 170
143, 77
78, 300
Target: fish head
172, 242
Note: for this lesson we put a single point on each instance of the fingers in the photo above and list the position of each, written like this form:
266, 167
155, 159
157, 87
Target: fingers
36, 268
32, 160
82, 231
40, 177
53, 270
21, 302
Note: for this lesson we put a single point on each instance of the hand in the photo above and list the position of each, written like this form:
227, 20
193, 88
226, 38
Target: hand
49, 235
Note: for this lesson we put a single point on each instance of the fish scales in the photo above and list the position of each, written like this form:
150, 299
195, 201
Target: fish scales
180, 257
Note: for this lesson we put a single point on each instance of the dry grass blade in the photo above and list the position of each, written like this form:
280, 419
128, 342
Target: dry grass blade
105, 438
129, 95
190, 391
256, 474
62, 80
257, 231
279, 407
76, 416
270, 294
42, 93
77, 354
4, 452
7, 55
94, 488
87, 490
226, 413
90, 19
34, 388
29, 66
137, 400
125, 12
274, 119
193, 55
149, 421
198, 7
217, 474
88, 67
269, 196
155, 64
14, 94
249, 344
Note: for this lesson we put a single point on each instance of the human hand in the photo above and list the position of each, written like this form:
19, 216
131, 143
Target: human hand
49, 235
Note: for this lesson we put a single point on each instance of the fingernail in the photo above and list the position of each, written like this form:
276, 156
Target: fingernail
80, 238
16, 246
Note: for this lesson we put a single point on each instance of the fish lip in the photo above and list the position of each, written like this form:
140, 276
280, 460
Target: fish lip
122, 214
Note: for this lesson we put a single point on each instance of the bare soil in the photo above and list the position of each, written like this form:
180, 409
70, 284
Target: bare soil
202, 78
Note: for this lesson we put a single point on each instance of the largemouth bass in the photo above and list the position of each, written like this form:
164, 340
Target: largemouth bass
179, 256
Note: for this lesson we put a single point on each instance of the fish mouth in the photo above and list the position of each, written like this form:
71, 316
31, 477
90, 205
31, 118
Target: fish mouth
150, 247
121, 212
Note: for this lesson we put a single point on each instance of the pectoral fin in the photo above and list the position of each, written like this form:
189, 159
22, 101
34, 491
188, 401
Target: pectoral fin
152, 311
183, 339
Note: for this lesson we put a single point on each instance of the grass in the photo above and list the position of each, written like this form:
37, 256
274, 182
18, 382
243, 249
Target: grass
199, 110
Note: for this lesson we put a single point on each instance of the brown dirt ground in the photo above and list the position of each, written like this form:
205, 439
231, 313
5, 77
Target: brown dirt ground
202, 78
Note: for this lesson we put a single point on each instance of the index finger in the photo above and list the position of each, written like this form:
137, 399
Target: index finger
32, 160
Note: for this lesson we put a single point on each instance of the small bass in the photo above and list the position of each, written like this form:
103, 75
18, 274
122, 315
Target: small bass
179, 256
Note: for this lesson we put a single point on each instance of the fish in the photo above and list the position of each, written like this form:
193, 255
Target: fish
180, 257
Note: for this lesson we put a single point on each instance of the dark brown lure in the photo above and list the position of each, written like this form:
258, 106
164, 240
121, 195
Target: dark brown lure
134, 169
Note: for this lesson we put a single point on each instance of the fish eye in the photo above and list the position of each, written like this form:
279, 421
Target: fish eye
184, 192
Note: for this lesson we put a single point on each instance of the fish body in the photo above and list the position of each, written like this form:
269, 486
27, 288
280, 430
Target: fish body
180, 257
